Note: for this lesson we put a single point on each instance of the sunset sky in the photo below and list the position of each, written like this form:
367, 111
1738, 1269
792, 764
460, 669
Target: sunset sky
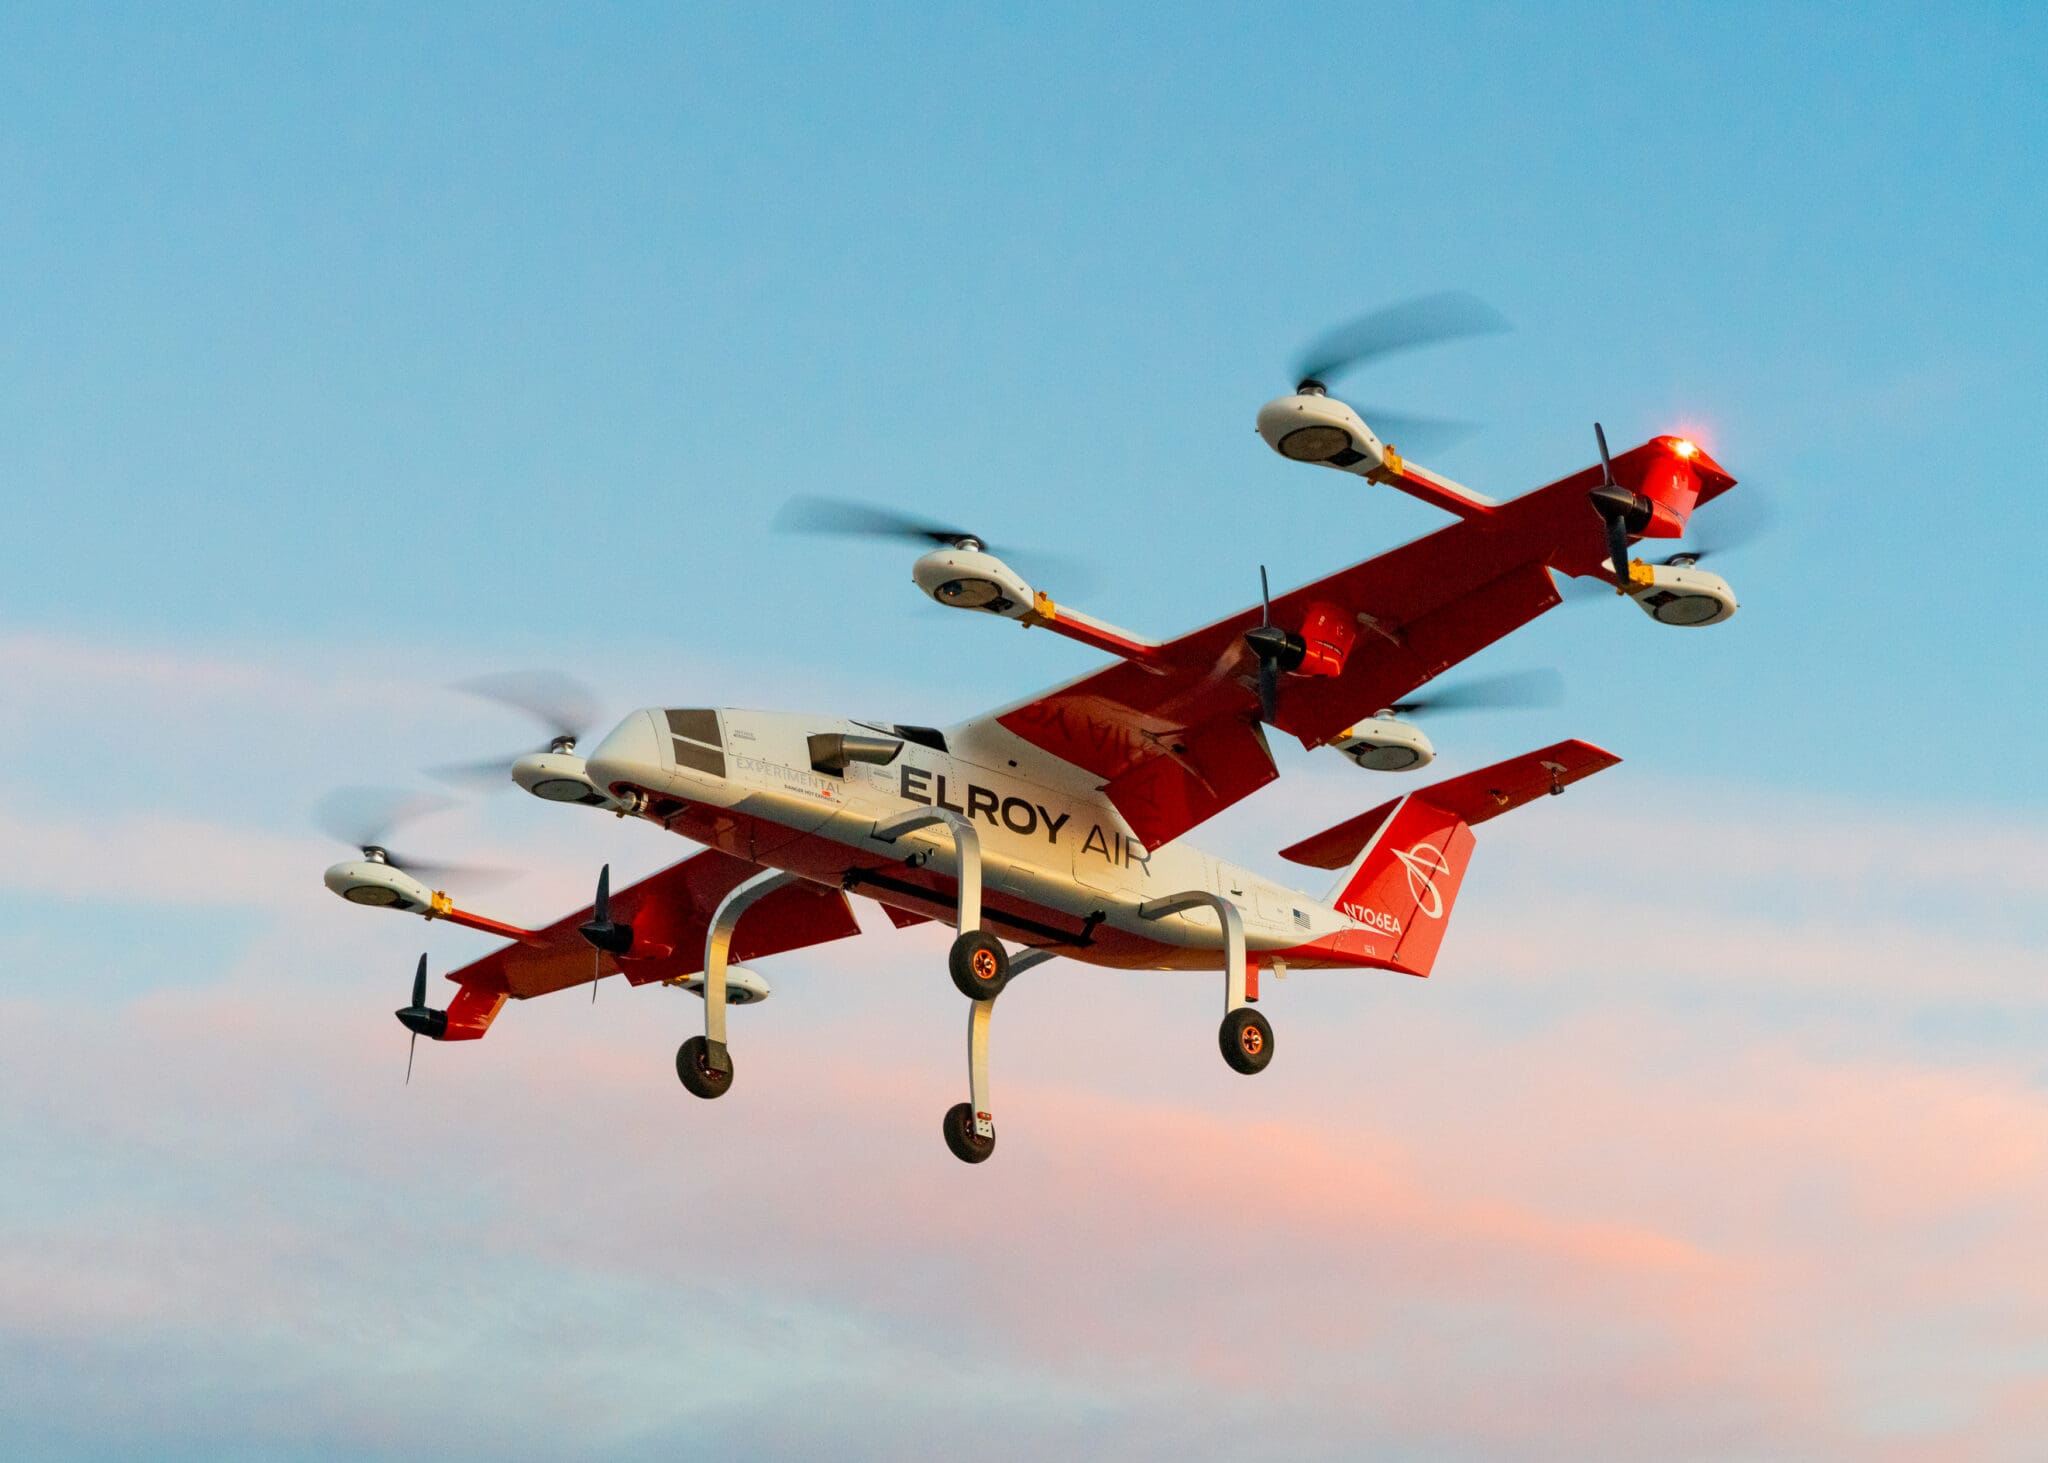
348, 352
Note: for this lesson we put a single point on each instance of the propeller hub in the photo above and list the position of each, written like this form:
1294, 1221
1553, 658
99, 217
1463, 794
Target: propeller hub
563, 744
375, 854
423, 1021
1276, 646
1309, 386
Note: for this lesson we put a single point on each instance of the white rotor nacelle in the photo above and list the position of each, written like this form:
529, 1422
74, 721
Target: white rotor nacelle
371, 881
1386, 744
1310, 426
971, 578
1683, 595
558, 777
743, 987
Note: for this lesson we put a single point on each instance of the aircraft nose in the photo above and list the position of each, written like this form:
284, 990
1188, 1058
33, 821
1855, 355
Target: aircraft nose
631, 753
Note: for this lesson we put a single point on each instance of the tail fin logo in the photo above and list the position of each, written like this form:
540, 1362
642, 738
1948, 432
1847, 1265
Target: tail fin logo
1423, 863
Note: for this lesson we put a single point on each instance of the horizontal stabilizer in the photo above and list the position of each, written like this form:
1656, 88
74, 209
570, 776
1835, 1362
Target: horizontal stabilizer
1472, 799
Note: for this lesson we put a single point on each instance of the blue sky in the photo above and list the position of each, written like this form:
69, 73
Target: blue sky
347, 353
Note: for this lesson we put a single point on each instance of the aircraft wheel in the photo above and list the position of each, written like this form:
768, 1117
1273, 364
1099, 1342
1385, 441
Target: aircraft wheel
968, 1146
1247, 1040
693, 1066
979, 966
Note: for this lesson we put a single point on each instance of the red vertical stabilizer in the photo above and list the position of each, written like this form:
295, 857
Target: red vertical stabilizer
1408, 857
1406, 881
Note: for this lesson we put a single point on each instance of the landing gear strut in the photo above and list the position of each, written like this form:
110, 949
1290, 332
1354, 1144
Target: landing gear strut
980, 967
702, 1063
1246, 1036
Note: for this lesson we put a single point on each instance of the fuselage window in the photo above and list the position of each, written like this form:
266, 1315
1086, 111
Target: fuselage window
699, 745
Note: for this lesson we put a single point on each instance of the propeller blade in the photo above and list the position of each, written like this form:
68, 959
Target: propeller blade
1735, 523
1416, 435
486, 775
362, 816
1408, 325
601, 930
419, 1002
561, 703
1540, 687
1606, 463
813, 513
1262, 643
437, 870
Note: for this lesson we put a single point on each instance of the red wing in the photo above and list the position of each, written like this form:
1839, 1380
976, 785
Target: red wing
1175, 740
673, 908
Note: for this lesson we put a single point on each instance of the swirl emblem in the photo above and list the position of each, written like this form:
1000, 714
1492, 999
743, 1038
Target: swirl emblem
1423, 863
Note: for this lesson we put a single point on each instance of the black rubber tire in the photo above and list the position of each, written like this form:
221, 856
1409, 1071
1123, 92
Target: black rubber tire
1247, 1040
979, 965
968, 1146
693, 1066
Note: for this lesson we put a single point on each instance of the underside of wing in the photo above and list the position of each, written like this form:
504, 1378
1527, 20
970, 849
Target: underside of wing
1174, 739
670, 913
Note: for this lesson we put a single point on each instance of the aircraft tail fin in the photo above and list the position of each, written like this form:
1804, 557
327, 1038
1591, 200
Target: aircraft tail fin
1405, 881
1407, 858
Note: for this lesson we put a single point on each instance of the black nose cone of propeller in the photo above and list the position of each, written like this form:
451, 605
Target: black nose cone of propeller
421, 1021
614, 937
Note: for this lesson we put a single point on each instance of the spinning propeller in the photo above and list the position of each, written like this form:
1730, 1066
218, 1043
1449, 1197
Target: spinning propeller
364, 817
1541, 687
1737, 521
1409, 325
563, 706
848, 518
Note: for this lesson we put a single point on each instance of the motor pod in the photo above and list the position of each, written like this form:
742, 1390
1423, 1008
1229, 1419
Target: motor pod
375, 883
973, 579
1386, 744
742, 986
559, 778
1685, 596
1311, 427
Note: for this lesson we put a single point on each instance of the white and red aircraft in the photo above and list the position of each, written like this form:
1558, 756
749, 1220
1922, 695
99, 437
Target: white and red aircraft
1052, 827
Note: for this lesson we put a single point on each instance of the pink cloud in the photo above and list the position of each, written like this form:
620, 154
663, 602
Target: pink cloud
1623, 1228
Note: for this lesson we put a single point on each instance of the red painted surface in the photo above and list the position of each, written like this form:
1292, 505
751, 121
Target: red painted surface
471, 1013
1474, 797
671, 916
1409, 882
1432, 603
1095, 638
488, 926
1328, 633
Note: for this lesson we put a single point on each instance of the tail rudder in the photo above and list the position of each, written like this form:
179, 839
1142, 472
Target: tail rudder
1408, 857
1406, 880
